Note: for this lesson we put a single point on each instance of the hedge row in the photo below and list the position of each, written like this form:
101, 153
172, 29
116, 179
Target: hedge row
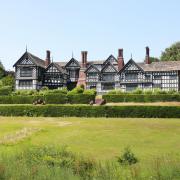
141, 97
49, 99
91, 111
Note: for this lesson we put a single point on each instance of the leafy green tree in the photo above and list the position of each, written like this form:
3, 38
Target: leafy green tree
172, 53
2, 70
8, 81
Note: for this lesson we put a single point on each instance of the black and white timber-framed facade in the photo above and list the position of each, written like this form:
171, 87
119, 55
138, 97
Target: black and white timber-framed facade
32, 72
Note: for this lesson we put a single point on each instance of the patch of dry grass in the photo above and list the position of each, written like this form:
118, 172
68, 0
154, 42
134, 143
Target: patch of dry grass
18, 136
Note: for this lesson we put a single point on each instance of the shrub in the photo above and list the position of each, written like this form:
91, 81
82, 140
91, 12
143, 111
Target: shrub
44, 88
127, 158
116, 92
6, 90
112, 92
159, 91
8, 81
148, 91
82, 86
59, 157
63, 91
90, 92
77, 90
137, 91
25, 92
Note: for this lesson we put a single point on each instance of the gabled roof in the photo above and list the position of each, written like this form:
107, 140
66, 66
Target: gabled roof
59, 68
107, 64
72, 59
92, 66
61, 63
131, 61
110, 57
36, 60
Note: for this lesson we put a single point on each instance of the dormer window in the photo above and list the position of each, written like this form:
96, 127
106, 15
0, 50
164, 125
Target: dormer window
26, 72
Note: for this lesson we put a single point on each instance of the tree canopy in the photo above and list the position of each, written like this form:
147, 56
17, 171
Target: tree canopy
8, 81
172, 53
2, 70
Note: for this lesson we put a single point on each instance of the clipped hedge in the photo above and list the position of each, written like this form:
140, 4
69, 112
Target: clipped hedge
91, 111
55, 98
80, 98
19, 99
141, 97
48, 98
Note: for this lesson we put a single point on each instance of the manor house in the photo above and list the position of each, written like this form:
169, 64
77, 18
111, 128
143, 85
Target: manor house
31, 72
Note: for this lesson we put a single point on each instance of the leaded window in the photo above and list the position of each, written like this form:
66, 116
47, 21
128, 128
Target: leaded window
108, 86
25, 83
108, 77
92, 75
157, 77
148, 77
172, 77
131, 76
73, 74
26, 72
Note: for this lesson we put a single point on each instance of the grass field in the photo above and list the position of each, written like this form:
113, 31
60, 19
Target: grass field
98, 138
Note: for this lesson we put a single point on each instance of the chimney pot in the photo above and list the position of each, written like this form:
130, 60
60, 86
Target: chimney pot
120, 53
48, 58
84, 58
147, 55
120, 59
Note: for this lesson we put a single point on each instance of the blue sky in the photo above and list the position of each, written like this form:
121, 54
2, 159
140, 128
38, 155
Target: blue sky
98, 26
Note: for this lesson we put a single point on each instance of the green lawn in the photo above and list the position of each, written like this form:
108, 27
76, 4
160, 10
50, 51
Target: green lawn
99, 138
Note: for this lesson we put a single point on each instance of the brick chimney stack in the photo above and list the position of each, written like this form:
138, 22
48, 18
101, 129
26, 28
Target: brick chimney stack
147, 55
82, 75
48, 58
84, 58
120, 59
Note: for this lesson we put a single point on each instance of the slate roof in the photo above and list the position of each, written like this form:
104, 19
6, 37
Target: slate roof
96, 62
36, 60
93, 66
160, 66
60, 68
62, 64
99, 64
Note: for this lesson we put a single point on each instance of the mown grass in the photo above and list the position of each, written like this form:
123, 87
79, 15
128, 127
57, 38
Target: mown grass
154, 141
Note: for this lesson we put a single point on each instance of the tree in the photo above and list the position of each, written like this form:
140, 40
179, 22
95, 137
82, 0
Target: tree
172, 53
8, 81
2, 70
